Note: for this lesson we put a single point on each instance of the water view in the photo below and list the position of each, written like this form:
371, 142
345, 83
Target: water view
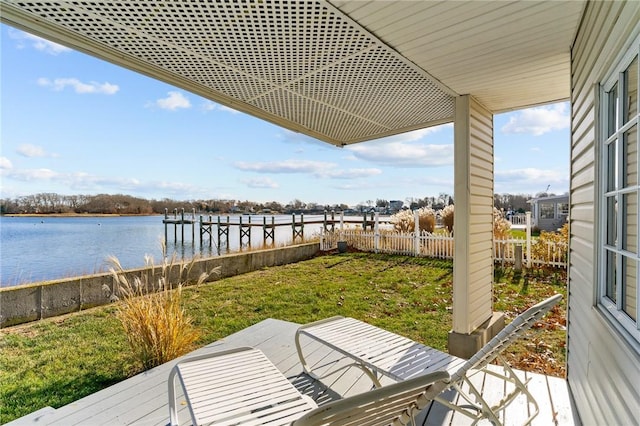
45, 248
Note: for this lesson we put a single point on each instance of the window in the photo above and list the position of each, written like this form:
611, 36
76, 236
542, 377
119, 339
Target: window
563, 209
620, 257
547, 210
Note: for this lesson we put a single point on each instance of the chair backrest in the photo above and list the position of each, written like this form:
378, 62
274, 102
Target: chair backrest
513, 331
395, 404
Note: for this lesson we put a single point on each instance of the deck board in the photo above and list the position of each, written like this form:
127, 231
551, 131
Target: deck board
143, 399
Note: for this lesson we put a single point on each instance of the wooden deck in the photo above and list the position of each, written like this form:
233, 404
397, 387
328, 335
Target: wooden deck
143, 400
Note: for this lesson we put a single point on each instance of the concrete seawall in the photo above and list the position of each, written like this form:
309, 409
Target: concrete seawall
36, 301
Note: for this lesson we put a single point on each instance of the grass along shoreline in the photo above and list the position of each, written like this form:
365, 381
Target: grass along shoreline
56, 361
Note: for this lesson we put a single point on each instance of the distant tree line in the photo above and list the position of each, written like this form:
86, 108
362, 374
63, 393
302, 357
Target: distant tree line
518, 203
52, 203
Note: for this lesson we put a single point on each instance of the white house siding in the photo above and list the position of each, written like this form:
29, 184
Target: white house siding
473, 273
603, 369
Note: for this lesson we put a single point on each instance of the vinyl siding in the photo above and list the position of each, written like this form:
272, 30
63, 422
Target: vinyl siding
603, 368
473, 275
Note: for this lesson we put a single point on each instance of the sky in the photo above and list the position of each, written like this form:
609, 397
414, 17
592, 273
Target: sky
72, 124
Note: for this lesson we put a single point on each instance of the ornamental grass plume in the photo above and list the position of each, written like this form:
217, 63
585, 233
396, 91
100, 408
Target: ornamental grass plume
151, 310
404, 220
447, 215
501, 226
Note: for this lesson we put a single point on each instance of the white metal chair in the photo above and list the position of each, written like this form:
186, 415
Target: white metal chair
241, 386
381, 353
234, 387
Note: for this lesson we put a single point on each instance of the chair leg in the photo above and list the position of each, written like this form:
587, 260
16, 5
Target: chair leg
173, 412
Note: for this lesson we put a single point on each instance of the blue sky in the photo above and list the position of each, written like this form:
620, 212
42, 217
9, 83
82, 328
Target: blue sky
73, 124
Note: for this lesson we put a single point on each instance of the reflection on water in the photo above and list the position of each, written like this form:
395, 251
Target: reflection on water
45, 248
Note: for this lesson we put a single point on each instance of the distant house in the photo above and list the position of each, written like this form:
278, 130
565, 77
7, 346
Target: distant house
395, 205
549, 213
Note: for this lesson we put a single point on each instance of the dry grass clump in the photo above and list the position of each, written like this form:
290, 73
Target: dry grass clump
151, 312
404, 220
501, 226
447, 217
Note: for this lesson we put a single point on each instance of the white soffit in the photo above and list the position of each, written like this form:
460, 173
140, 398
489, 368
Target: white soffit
507, 54
301, 65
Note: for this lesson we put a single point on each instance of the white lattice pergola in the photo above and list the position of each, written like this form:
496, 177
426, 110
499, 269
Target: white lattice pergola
299, 64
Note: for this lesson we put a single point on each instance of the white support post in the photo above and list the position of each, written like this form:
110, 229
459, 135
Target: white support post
528, 239
376, 232
473, 319
416, 233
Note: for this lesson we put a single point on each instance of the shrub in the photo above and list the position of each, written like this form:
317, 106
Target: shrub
404, 221
501, 226
151, 312
552, 246
447, 217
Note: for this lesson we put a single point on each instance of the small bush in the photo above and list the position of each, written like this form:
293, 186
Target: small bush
151, 312
552, 246
447, 215
501, 226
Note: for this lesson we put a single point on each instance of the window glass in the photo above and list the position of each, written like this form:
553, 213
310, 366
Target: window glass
611, 278
630, 224
546, 210
612, 229
612, 166
612, 111
631, 156
631, 98
563, 209
629, 289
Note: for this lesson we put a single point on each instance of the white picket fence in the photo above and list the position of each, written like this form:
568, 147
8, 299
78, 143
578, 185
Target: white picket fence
439, 245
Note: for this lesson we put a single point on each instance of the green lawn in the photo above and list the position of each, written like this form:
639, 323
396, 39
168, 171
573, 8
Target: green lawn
521, 233
59, 360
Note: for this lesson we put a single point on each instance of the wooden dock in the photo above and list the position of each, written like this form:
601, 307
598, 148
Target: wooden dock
216, 229
143, 399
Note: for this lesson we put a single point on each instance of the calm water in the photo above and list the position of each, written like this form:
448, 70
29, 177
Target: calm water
45, 248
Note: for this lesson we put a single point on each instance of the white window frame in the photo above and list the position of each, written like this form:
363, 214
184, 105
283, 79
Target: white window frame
614, 310
562, 209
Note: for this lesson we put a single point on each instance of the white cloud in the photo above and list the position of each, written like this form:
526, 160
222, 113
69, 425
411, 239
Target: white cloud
318, 169
538, 121
29, 175
5, 164
172, 102
286, 166
415, 135
531, 180
264, 182
36, 42
349, 173
404, 154
86, 183
296, 138
78, 86
33, 151
208, 105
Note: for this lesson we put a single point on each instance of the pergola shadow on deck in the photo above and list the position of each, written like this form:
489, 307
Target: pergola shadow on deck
143, 399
